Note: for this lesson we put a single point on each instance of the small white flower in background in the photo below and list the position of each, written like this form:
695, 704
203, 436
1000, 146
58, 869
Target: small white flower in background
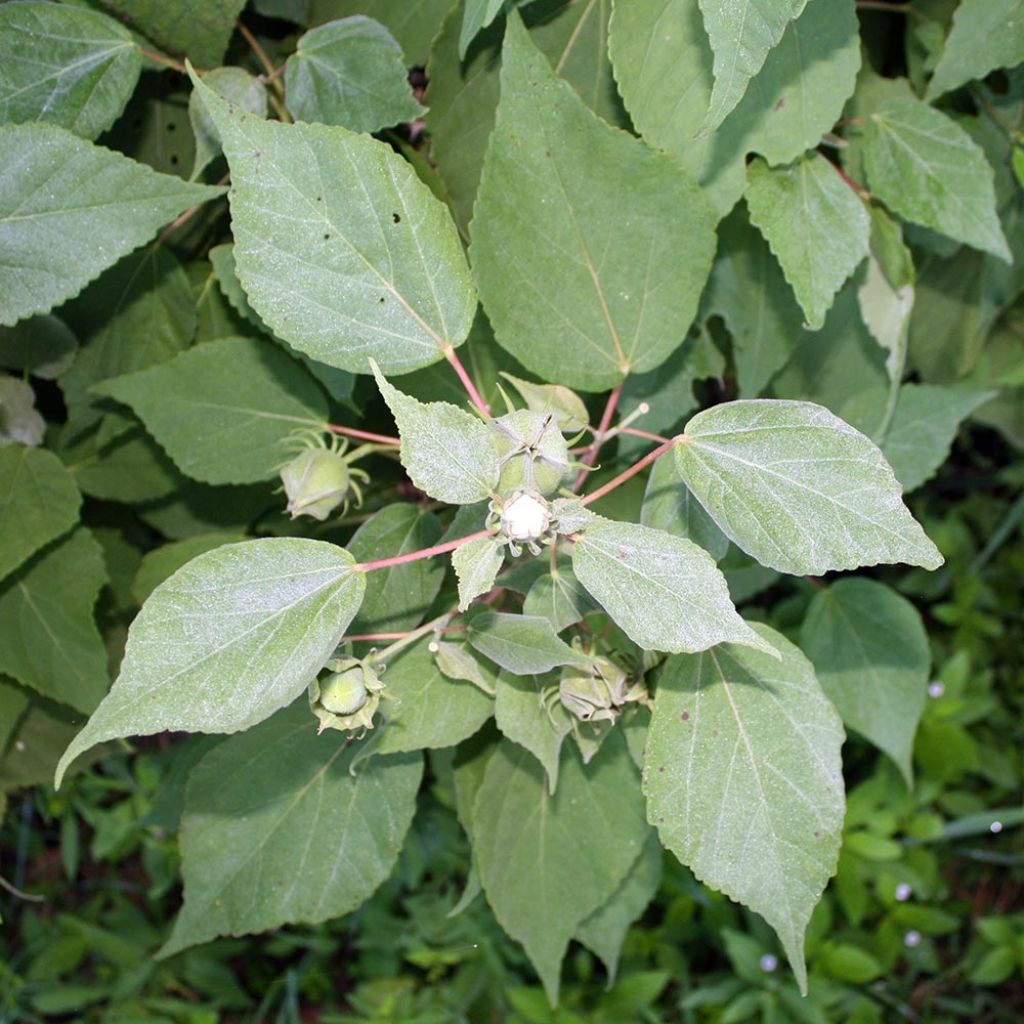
936, 689
525, 516
769, 962
996, 827
903, 892
912, 939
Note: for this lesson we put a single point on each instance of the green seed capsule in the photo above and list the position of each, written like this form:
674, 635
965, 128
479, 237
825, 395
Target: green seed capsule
344, 693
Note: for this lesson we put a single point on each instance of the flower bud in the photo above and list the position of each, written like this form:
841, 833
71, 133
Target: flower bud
526, 516
316, 481
594, 693
348, 697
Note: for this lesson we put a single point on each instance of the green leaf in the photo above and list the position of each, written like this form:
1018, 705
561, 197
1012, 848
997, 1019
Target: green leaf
476, 15
663, 63
528, 712
50, 641
199, 31
427, 709
525, 645
456, 662
741, 35
995, 967
42, 346
131, 468
886, 310
565, 405
830, 365
231, 637
463, 94
40, 503
849, 963
604, 931
559, 597
799, 489
871, 656
669, 505
350, 72
66, 65
139, 313
815, 224
665, 592
414, 23
161, 563
224, 411
548, 862
922, 429
584, 282
476, 564
986, 34
927, 169
69, 209
744, 781
13, 702
448, 453
235, 85
278, 829
397, 598
341, 249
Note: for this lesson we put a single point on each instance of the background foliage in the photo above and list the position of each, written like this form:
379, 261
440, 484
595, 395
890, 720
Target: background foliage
818, 203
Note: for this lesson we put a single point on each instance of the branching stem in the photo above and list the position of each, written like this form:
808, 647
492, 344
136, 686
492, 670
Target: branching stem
414, 556
590, 456
363, 435
632, 471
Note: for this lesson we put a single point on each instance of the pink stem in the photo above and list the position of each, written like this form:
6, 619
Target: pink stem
467, 383
590, 457
632, 471
363, 435
414, 556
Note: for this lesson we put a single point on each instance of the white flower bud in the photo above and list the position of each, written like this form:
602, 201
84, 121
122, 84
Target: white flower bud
525, 516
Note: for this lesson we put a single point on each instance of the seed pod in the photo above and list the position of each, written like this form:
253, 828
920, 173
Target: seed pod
316, 481
348, 697
533, 452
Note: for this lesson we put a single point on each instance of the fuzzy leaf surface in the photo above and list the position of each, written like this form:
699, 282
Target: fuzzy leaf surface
814, 223
741, 34
230, 638
522, 644
428, 710
341, 249
743, 779
927, 169
224, 411
663, 64
923, 427
584, 279
871, 655
547, 862
526, 714
476, 564
66, 65
199, 31
50, 641
397, 598
669, 505
665, 592
986, 34
800, 490
350, 72
69, 209
40, 502
448, 453
276, 811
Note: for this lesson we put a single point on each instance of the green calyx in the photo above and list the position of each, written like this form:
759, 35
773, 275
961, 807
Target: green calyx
534, 454
320, 479
348, 697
